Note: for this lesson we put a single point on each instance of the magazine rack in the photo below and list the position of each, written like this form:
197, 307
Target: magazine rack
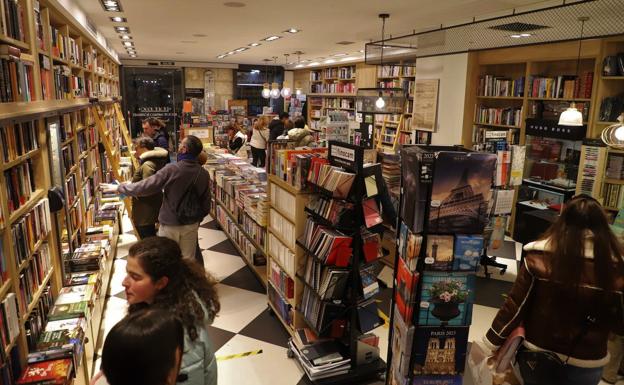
351, 158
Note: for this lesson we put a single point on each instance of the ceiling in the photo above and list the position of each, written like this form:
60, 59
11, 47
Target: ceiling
165, 29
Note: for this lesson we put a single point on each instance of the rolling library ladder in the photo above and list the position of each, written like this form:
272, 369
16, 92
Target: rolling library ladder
112, 152
382, 144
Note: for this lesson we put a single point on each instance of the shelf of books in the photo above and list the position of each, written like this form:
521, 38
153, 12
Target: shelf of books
55, 258
46, 58
439, 247
241, 207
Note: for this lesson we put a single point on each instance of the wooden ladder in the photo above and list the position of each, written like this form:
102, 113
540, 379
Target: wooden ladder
125, 133
111, 152
387, 146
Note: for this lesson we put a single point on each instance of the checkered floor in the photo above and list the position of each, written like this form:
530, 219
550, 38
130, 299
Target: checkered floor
244, 323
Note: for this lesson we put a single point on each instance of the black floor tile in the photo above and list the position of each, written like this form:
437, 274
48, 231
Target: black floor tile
385, 300
218, 337
489, 292
267, 328
225, 247
245, 279
212, 225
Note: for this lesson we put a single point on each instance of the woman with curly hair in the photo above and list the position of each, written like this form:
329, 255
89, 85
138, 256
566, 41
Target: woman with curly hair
158, 276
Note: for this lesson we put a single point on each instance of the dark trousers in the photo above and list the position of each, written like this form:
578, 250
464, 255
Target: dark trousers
146, 231
259, 156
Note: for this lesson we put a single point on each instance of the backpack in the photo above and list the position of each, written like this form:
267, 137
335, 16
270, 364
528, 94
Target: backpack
189, 209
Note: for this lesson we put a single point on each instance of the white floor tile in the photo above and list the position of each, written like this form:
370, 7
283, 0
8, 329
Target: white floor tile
209, 238
272, 366
116, 309
482, 317
119, 273
221, 265
207, 219
382, 332
238, 307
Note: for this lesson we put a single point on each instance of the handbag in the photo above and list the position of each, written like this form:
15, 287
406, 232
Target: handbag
544, 367
484, 368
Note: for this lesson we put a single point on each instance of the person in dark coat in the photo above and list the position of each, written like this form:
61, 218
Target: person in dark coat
155, 128
278, 126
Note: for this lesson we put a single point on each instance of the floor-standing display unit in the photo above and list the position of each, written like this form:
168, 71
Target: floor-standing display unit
444, 210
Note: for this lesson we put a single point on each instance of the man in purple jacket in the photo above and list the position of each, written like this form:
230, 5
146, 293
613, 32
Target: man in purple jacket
175, 179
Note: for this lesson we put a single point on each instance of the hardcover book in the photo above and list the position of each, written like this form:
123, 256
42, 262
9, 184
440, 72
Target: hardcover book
446, 299
460, 192
70, 310
439, 252
55, 372
467, 252
440, 351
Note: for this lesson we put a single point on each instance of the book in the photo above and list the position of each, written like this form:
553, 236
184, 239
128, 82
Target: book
446, 299
368, 277
70, 310
467, 252
439, 255
405, 296
412, 250
371, 213
368, 315
440, 351
56, 372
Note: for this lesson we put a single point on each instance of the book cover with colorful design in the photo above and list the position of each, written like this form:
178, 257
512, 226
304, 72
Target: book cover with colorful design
446, 299
440, 350
467, 252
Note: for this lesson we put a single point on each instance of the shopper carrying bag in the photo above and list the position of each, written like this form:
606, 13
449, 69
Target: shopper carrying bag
568, 296
259, 140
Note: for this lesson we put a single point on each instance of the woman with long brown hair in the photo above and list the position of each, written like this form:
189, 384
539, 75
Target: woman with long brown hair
568, 296
259, 141
158, 276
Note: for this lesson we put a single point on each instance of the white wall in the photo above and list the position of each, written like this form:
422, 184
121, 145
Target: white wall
452, 71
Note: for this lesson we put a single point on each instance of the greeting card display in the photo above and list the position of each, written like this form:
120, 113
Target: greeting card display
402, 339
462, 188
439, 252
440, 351
446, 299
417, 175
467, 252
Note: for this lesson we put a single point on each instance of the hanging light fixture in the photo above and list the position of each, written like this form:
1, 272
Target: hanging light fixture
297, 87
572, 116
380, 103
286, 91
266, 92
275, 91
613, 136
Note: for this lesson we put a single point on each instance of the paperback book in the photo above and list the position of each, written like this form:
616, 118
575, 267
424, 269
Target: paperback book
467, 252
405, 296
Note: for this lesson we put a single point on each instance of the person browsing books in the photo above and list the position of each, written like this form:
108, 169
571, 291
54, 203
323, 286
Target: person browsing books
145, 347
277, 126
185, 183
157, 276
568, 296
236, 139
155, 128
259, 141
145, 209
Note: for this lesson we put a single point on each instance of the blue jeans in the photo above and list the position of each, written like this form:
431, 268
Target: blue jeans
573, 375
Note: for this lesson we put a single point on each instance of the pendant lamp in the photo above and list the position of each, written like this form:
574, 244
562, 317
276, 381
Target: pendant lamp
286, 91
613, 136
572, 116
380, 103
266, 92
275, 90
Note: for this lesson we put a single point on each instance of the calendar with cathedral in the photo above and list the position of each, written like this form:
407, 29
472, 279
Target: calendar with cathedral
440, 350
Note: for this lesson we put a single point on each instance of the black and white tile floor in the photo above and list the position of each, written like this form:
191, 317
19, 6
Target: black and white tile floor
244, 323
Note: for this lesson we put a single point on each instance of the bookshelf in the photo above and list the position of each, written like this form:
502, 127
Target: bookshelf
33, 240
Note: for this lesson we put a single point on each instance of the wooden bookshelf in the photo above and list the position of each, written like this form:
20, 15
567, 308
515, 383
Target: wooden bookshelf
73, 108
288, 206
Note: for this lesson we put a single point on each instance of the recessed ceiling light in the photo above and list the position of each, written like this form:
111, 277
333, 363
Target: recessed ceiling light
122, 29
128, 43
231, 53
241, 49
361, 51
254, 44
515, 36
330, 61
221, 56
112, 9
340, 54
125, 37
346, 58
313, 64
271, 38
118, 19
299, 66
199, 35
525, 35
292, 30
234, 4
110, 3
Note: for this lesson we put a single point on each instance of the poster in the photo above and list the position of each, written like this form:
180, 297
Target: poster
425, 112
